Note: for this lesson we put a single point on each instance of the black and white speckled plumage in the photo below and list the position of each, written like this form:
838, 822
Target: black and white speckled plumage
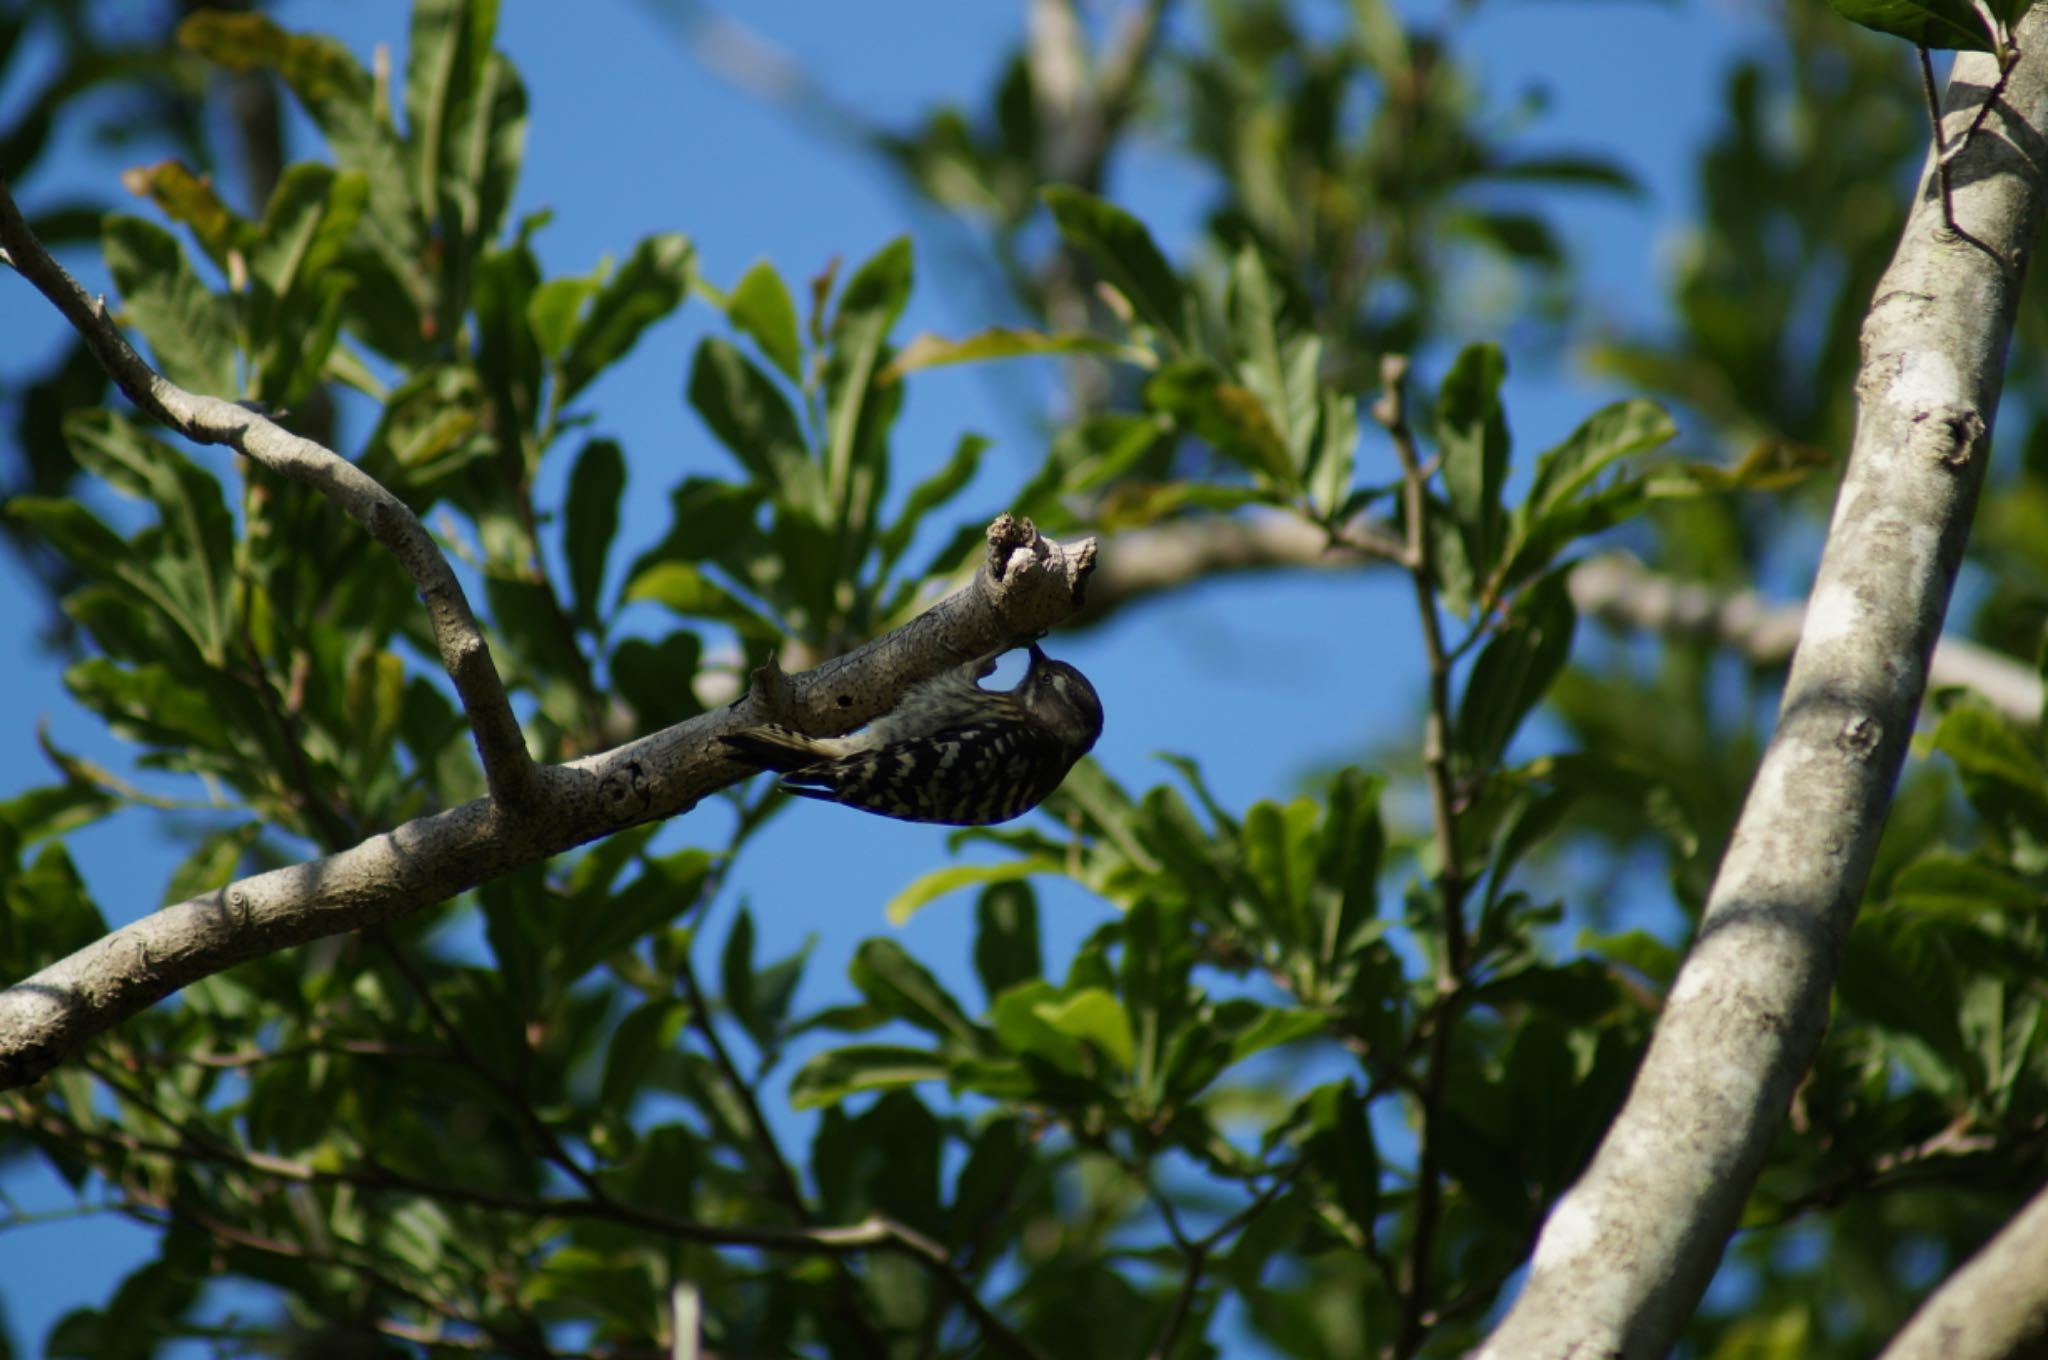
949, 752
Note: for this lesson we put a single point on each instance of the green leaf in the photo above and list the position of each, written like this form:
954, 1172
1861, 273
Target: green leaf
1279, 856
750, 416
1472, 436
1158, 957
709, 520
858, 411
990, 1180
928, 495
1123, 250
1940, 24
2003, 775
149, 704
554, 311
1330, 460
306, 225
648, 1030
342, 98
685, 589
82, 538
1586, 172
1339, 1156
1450, 559
834, 1075
1950, 885
506, 284
1611, 433
1021, 1027
1344, 892
758, 1000
1283, 377
936, 884
188, 572
187, 198
667, 887
374, 699
1003, 342
1566, 502
51, 810
1228, 416
1272, 1026
1515, 670
736, 966
448, 46
536, 642
652, 283
299, 256
1006, 947
1986, 745
1092, 1015
1133, 505
592, 519
906, 989
493, 148
1094, 452
760, 305
654, 678
48, 912
189, 329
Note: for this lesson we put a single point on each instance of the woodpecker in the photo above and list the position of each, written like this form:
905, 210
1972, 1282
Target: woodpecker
949, 751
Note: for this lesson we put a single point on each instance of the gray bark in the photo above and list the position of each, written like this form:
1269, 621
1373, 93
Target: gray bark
1626, 1253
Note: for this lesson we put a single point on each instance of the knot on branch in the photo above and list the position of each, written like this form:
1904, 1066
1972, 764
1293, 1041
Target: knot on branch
624, 794
770, 696
1949, 434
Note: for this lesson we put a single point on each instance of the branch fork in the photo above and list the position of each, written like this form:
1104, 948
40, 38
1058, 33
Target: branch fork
1027, 584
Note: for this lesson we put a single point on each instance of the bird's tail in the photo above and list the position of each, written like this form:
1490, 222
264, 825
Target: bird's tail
774, 748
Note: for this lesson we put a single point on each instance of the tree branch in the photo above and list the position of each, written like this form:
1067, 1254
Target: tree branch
1027, 584
1623, 593
1993, 1308
1622, 1260
1614, 588
508, 769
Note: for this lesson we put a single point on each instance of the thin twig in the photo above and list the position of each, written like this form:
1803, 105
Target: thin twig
1927, 85
1183, 1305
874, 1233
551, 1146
1197, 1252
517, 1343
1391, 412
852, 1302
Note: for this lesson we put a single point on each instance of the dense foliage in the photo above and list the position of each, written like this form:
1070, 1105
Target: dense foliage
1319, 1078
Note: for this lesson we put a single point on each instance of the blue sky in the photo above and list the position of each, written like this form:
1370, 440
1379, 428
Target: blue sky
1258, 680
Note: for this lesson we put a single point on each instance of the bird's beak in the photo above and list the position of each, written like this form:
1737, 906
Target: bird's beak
1037, 654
